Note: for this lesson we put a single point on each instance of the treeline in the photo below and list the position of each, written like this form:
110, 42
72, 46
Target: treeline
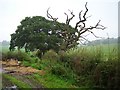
104, 41
5, 43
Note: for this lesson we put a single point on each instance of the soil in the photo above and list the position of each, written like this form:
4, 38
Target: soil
15, 67
20, 72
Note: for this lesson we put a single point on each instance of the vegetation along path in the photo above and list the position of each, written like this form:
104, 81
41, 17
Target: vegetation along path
18, 75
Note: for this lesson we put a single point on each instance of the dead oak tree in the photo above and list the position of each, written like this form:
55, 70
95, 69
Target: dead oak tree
71, 35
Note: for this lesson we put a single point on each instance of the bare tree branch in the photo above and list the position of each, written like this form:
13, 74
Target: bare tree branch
81, 42
71, 38
88, 16
84, 17
85, 39
50, 16
54, 19
69, 19
93, 27
80, 15
94, 34
85, 12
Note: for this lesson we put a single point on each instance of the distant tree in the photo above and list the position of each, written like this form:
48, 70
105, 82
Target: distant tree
103, 41
5, 43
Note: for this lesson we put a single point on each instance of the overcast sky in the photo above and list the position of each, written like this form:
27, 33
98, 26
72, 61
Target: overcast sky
13, 11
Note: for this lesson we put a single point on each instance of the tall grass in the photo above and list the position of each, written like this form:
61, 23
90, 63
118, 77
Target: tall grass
86, 60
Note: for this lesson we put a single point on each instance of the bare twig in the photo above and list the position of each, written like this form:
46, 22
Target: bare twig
50, 16
84, 17
93, 27
80, 27
85, 39
94, 34
69, 19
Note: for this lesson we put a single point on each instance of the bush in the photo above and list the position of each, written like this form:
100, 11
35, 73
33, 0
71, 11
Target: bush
107, 74
51, 55
84, 81
63, 72
83, 60
37, 53
19, 55
23, 56
58, 70
26, 63
9, 55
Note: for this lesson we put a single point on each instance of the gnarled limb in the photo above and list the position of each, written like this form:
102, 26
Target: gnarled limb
69, 19
50, 16
79, 29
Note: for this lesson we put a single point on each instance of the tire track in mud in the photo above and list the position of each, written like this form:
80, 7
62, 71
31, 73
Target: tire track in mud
21, 73
30, 81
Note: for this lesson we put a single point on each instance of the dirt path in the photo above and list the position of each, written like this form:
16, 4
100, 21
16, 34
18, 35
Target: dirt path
14, 67
22, 73
31, 81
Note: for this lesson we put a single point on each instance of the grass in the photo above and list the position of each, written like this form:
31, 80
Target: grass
4, 48
107, 48
48, 81
52, 81
0, 80
18, 83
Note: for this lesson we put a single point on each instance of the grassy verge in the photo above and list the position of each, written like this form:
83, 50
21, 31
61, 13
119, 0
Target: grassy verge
52, 81
18, 83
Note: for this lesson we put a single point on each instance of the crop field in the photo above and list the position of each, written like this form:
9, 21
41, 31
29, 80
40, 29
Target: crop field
106, 48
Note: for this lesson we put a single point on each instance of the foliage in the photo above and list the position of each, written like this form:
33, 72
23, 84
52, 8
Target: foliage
51, 55
105, 74
82, 61
85, 61
52, 81
19, 55
36, 33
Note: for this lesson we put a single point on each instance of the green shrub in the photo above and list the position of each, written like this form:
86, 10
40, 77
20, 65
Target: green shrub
63, 72
58, 70
84, 81
37, 53
83, 60
19, 55
23, 56
51, 55
26, 63
106, 74
9, 55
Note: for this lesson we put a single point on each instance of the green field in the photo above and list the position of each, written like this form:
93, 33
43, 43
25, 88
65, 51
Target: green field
4, 48
107, 48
